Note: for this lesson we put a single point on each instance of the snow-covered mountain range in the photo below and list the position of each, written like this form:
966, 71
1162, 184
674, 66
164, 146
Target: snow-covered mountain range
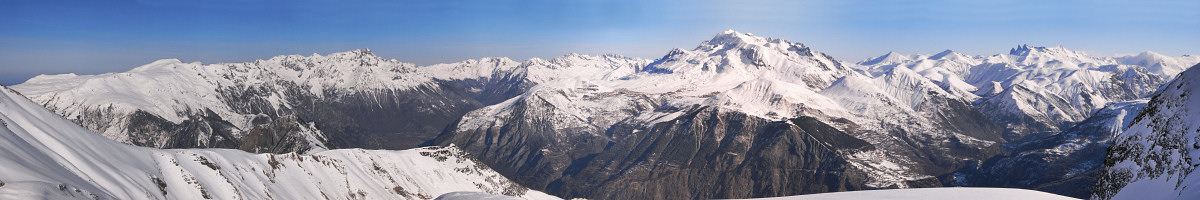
48, 157
355, 99
738, 116
1035, 90
717, 113
1061, 108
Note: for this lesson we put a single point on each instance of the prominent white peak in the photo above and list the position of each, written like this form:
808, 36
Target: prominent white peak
948, 54
742, 56
1160, 64
472, 69
1026, 50
48, 157
165, 87
728, 31
887, 59
1057, 56
769, 78
734, 38
1022, 50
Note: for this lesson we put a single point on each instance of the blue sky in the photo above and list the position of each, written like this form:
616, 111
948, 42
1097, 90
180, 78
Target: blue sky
91, 37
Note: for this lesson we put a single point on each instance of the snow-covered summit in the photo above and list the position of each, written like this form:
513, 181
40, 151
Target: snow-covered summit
948, 54
889, 58
735, 56
1026, 55
734, 38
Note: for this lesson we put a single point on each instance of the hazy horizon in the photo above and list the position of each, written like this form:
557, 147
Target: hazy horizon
84, 37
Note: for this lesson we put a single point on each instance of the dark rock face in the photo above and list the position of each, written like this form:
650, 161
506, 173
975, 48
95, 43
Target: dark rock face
713, 154
376, 119
1066, 163
201, 130
959, 116
707, 153
526, 147
495, 89
284, 135
940, 156
395, 119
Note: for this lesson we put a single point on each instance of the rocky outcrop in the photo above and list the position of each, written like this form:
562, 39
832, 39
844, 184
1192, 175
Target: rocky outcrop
284, 135
1157, 156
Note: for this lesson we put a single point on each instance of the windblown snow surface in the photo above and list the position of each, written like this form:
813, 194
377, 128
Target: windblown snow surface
44, 156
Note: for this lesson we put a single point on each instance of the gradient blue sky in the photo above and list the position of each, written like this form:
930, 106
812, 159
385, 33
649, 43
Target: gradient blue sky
91, 37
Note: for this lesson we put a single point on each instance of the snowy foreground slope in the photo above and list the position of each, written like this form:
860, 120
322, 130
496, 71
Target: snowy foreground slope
954, 193
43, 156
1157, 156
